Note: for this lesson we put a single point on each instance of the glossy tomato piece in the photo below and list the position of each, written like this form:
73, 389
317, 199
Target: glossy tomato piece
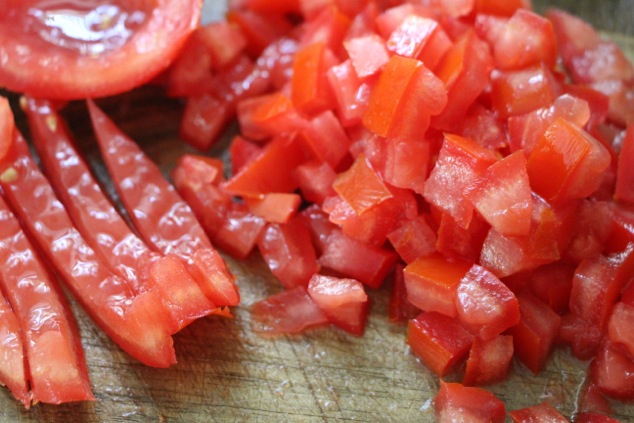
455, 402
315, 180
461, 162
263, 116
489, 361
552, 284
503, 196
431, 282
619, 326
543, 412
326, 139
439, 341
400, 310
535, 334
288, 250
287, 312
567, 163
276, 207
78, 50
612, 371
343, 300
204, 118
484, 304
310, 90
354, 259
13, 367
350, 93
368, 54
456, 241
239, 231
624, 190
414, 238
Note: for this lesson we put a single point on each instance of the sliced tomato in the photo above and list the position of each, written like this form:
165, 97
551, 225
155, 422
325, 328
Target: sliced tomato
107, 298
290, 311
439, 341
13, 369
164, 220
221, 288
543, 412
56, 363
90, 49
343, 300
455, 402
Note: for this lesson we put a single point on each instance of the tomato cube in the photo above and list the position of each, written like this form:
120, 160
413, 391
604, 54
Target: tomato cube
457, 403
489, 361
439, 341
543, 412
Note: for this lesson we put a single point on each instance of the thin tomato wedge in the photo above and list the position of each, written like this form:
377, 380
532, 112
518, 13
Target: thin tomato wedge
72, 50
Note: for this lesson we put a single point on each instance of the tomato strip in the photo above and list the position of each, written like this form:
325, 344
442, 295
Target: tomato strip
56, 363
107, 297
12, 368
162, 218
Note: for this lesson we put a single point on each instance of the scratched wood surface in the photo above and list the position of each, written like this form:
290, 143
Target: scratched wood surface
226, 373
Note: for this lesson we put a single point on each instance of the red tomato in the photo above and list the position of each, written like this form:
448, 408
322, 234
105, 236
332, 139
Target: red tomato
612, 371
489, 361
289, 311
414, 238
431, 283
457, 403
221, 289
239, 231
400, 309
343, 300
624, 190
12, 368
368, 54
534, 336
275, 207
485, 305
289, 253
90, 49
543, 412
439, 341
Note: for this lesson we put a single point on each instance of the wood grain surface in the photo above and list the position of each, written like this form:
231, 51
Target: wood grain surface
226, 373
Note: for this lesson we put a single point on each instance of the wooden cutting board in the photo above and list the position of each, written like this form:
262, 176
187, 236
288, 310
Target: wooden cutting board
226, 373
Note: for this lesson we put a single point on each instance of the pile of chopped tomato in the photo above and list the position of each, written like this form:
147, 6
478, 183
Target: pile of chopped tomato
475, 151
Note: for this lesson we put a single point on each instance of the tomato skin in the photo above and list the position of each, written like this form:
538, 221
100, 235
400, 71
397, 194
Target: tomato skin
310, 90
439, 341
455, 402
75, 75
624, 190
221, 288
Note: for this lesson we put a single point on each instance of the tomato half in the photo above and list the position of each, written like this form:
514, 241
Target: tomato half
61, 49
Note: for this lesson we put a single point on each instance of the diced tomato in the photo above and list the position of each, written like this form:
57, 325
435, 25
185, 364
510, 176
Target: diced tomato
535, 334
326, 139
361, 187
242, 152
624, 190
86, 52
270, 171
349, 93
567, 163
288, 250
431, 283
414, 238
310, 90
454, 240
368, 54
264, 116
619, 326
439, 341
239, 231
290, 311
275, 207
612, 371
400, 309
357, 260
204, 119
411, 36
503, 196
543, 412
315, 180
343, 300
483, 126
460, 163
405, 163
586, 417
552, 284
489, 361
484, 304
522, 91
500, 7
260, 30
465, 71
527, 39
455, 402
